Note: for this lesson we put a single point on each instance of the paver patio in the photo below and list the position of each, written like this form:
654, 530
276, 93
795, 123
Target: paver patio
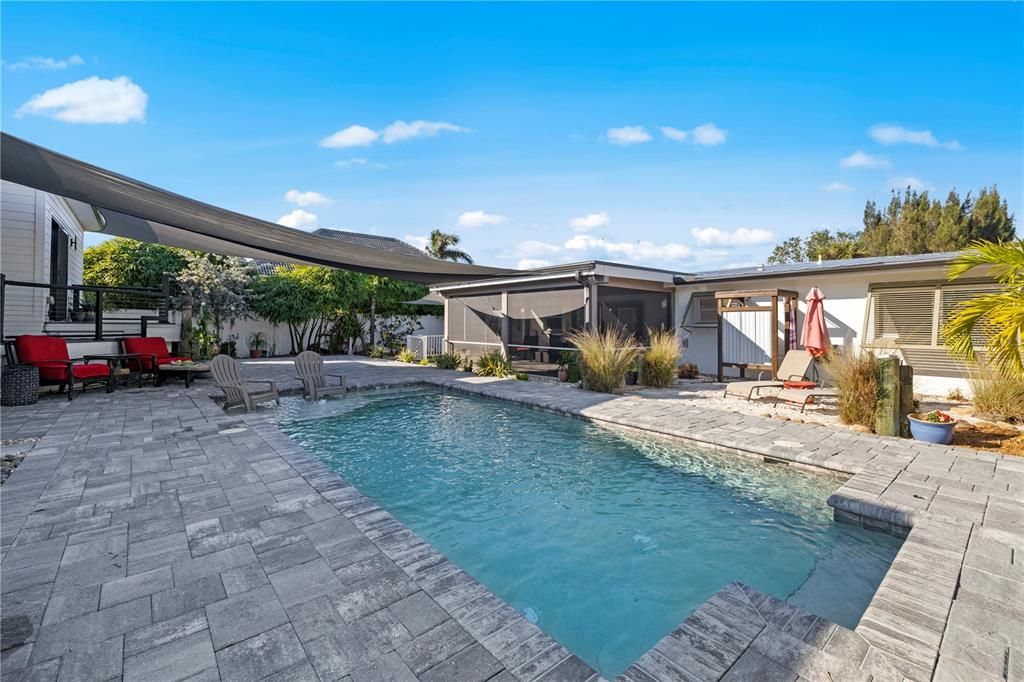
150, 535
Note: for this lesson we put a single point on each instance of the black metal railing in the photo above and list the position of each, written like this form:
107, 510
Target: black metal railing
80, 311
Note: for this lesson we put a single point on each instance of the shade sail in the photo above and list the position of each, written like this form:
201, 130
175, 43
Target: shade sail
134, 209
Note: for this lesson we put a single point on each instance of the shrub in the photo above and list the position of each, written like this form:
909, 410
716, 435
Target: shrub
956, 395
996, 393
447, 361
377, 352
424, 362
406, 355
467, 364
493, 364
605, 357
857, 390
688, 370
659, 365
522, 376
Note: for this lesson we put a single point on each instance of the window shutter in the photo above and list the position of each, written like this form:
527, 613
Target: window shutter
953, 296
903, 316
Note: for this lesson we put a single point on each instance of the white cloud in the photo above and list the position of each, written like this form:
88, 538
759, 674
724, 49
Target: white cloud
859, 159
348, 163
632, 251
890, 134
709, 134
45, 63
712, 236
837, 187
353, 136
400, 130
628, 135
674, 133
300, 220
418, 241
473, 219
532, 248
913, 183
294, 196
590, 221
531, 263
92, 100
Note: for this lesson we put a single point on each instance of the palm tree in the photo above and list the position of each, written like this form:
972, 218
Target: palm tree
442, 245
999, 316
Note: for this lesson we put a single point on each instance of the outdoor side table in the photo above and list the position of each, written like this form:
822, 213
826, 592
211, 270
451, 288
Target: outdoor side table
120, 368
186, 371
20, 385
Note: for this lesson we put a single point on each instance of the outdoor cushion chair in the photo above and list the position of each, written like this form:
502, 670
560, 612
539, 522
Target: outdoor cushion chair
227, 378
309, 369
154, 352
796, 366
50, 355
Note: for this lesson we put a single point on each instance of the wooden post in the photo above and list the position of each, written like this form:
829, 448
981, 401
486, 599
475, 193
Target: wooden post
906, 398
718, 304
775, 336
887, 420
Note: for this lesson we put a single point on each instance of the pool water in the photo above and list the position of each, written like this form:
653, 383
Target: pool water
606, 540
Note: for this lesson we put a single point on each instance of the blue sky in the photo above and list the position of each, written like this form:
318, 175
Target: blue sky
686, 136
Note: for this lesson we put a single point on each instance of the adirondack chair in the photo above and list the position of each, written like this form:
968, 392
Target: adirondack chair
309, 369
227, 378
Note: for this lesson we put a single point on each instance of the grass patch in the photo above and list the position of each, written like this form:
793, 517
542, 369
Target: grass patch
856, 381
605, 357
660, 359
998, 394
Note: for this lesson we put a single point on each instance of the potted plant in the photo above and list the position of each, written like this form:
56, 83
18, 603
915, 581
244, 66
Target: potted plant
932, 427
257, 342
633, 375
565, 359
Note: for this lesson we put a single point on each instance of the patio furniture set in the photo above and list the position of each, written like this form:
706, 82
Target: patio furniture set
40, 360
792, 382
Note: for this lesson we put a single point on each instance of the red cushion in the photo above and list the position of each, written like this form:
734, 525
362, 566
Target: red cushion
57, 372
148, 345
34, 349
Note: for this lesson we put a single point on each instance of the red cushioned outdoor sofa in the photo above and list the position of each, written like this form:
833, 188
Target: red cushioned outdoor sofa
153, 351
50, 355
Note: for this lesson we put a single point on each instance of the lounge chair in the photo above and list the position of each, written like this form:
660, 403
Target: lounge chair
228, 379
309, 369
50, 355
804, 396
796, 366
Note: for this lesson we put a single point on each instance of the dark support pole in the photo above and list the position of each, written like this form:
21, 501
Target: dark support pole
99, 316
3, 302
165, 299
143, 326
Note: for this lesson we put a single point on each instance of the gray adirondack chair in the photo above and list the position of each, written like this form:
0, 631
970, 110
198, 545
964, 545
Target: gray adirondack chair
237, 391
309, 369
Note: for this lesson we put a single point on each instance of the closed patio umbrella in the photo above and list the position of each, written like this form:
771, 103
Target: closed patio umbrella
815, 335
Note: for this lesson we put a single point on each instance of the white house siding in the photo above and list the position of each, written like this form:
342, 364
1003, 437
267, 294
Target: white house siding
846, 296
25, 216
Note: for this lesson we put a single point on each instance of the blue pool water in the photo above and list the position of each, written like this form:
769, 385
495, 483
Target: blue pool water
606, 540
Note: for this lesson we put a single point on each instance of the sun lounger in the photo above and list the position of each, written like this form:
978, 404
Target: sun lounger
795, 366
804, 396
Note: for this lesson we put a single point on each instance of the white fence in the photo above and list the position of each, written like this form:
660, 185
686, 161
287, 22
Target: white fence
425, 345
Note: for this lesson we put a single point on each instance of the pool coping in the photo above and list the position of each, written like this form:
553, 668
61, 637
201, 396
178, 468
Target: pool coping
887, 652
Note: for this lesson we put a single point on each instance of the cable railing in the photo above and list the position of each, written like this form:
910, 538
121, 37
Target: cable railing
80, 311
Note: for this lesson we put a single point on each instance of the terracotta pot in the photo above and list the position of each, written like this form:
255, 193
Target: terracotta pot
563, 374
255, 353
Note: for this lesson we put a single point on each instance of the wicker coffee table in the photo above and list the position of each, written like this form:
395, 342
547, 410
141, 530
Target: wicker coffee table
187, 371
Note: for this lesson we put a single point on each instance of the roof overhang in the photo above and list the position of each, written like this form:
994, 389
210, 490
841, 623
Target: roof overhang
130, 208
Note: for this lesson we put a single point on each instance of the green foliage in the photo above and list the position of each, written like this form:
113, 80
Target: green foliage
393, 331
998, 316
218, 286
447, 361
406, 355
998, 394
443, 246
424, 362
257, 341
122, 262
522, 376
605, 357
377, 352
857, 389
660, 359
493, 364
912, 222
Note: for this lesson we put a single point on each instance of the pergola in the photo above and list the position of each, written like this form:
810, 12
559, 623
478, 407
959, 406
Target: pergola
131, 208
753, 327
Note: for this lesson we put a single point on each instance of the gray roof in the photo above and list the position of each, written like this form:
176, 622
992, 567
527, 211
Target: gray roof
266, 267
792, 269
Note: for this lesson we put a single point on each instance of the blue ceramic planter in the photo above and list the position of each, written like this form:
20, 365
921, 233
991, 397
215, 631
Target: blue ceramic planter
932, 432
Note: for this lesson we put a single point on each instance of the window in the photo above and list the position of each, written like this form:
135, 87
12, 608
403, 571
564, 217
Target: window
475, 319
701, 310
633, 310
901, 316
544, 318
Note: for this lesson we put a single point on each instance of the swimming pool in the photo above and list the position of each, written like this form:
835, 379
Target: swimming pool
605, 539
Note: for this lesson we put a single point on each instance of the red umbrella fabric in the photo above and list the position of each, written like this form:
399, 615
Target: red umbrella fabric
815, 335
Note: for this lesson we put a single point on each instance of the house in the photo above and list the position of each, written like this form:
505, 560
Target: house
891, 305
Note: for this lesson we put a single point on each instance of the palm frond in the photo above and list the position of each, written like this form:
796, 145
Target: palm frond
1005, 258
1002, 316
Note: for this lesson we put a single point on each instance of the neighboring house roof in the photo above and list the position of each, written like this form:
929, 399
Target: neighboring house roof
810, 268
266, 267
